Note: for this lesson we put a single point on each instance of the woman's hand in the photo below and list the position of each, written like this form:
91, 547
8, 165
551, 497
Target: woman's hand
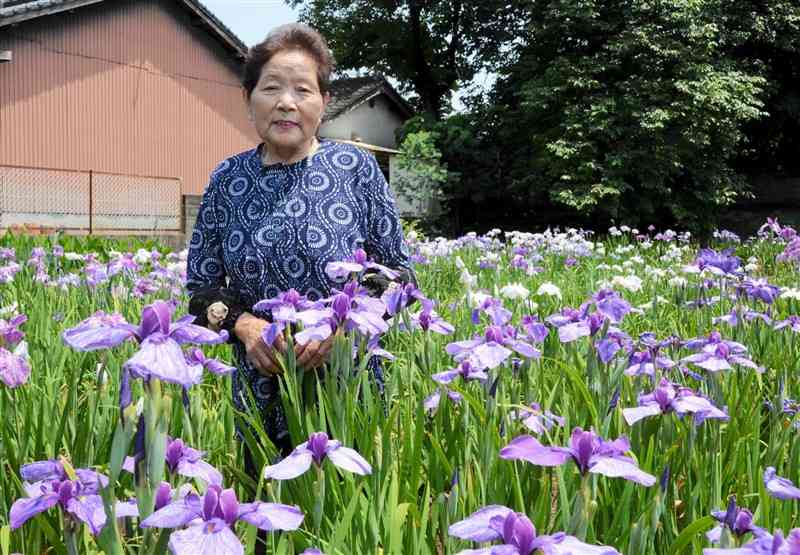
262, 356
313, 354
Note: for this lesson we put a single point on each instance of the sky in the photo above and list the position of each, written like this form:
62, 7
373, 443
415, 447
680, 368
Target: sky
251, 20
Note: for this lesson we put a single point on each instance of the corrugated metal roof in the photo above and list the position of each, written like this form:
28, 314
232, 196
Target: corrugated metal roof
350, 92
17, 12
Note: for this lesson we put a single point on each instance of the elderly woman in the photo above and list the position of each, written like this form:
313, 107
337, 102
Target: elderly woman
272, 217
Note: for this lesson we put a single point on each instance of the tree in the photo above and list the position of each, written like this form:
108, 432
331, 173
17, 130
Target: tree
632, 109
430, 46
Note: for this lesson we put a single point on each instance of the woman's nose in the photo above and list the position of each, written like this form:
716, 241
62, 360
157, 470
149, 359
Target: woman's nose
286, 100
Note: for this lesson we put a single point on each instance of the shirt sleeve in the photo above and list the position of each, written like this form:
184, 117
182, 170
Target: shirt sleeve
205, 266
384, 242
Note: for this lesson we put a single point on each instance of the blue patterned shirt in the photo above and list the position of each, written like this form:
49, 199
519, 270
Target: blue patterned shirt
265, 229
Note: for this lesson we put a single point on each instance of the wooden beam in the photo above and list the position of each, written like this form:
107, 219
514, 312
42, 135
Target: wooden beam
11, 20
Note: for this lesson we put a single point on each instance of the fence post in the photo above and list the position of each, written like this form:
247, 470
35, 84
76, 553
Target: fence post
91, 200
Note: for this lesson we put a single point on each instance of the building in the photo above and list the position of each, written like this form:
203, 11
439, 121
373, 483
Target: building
367, 112
114, 112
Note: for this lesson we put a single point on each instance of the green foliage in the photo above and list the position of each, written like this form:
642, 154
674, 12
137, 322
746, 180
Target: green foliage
421, 170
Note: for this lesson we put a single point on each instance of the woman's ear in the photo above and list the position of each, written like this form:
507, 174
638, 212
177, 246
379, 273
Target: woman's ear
326, 98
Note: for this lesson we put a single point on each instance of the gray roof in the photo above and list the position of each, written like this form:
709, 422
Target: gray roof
17, 11
350, 92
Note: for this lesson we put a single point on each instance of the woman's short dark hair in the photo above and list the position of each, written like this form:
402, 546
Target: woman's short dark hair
292, 36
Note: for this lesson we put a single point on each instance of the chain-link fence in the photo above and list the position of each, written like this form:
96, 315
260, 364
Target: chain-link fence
94, 202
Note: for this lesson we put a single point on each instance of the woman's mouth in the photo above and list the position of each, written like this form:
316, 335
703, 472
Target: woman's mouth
284, 124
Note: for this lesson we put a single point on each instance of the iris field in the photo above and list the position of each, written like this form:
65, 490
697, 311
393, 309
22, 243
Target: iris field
546, 393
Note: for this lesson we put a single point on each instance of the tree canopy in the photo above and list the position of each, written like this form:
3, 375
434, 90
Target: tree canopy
648, 111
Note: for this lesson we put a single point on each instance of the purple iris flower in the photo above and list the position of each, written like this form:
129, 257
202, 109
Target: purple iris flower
464, 369
614, 341
719, 263
492, 348
494, 309
736, 315
427, 319
184, 460
670, 397
792, 322
316, 450
791, 252
432, 402
123, 263
759, 289
160, 339
737, 520
47, 484
537, 420
356, 264
143, 287
8, 272
7, 253
611, 305
349, 309
285, 306
717, 354
196, 357
10, 334
590, 452
643, 362
518, 534
574, 323
534, 329
397, 297
210, 521
14, 367
778, 487
764, 545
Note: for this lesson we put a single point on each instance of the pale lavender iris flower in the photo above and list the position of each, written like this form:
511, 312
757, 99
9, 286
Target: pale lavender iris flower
47, 485
184, 460
670, 397
764, 545
575, 323
717, 354
792, 322
10, 334
14, 365
209, 521
350, 309
356, 264
779, 488
590, 452
492, 348
432, 402
465, 370
285, 306
759, 289
160, 354
428, 319
316, 450
518, 535
537, 420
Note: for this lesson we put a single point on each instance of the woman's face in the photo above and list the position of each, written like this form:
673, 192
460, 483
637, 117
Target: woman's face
286, 105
